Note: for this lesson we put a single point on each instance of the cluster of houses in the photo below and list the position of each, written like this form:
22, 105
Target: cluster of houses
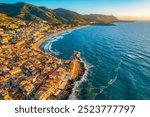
25, 71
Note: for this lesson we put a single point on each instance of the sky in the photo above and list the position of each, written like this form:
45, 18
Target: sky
124, 9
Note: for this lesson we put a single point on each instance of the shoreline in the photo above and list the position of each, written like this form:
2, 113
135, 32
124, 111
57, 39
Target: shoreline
82, 71
41, 41
71, 84
81, 67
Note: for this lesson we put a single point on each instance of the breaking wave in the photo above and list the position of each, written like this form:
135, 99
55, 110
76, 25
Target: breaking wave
49, 42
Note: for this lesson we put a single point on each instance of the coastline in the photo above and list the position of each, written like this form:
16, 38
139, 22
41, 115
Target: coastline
38, 43
71, 84
80, 67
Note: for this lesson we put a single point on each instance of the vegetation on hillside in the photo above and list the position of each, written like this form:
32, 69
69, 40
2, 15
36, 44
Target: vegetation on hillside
28, 12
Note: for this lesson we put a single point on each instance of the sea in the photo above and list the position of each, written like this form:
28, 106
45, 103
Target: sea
117, 59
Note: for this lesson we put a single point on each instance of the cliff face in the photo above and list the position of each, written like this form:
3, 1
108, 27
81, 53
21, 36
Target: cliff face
30, 12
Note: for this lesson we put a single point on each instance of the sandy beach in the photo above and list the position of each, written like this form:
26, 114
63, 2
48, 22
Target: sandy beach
38, 43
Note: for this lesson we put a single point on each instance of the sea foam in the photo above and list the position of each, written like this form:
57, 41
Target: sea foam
88, 66
49, 42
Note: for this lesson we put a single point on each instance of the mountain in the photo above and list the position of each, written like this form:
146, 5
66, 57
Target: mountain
69, 17
101, 18
28, 12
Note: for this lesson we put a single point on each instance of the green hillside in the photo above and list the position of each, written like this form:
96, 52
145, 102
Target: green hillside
69, 17
28, 12
4, 19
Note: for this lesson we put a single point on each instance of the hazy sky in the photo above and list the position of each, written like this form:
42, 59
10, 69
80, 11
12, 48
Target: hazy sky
140, 8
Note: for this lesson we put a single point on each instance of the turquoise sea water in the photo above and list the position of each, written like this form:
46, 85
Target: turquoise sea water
117, 58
